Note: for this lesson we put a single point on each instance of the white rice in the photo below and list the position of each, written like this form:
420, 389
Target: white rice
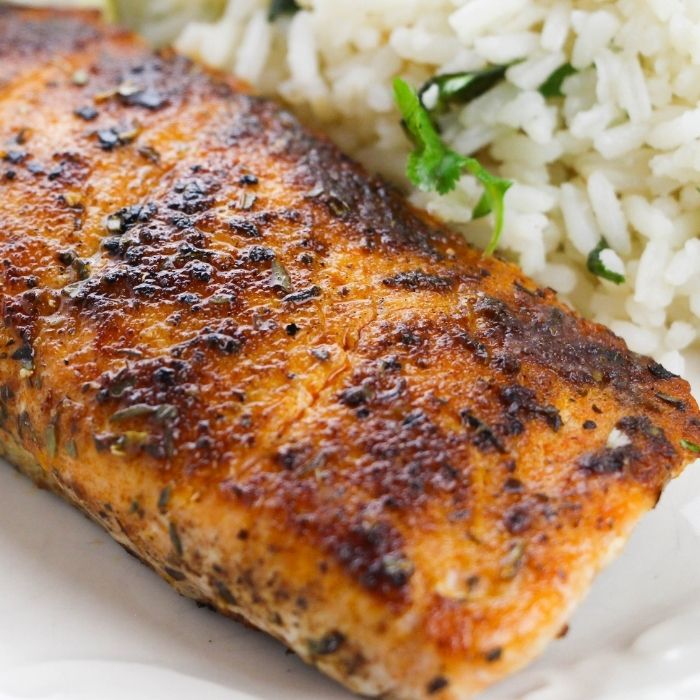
618, 157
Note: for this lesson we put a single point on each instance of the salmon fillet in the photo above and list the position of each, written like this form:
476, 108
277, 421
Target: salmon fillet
293, 396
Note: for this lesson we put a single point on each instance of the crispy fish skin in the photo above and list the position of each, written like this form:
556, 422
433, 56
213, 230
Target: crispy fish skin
290, 394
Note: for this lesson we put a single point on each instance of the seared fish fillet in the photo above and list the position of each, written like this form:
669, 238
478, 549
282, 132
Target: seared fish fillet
290, 394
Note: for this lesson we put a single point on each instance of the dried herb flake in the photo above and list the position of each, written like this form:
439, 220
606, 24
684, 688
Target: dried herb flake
690, 446
164, 498
328, 644
136, 411
71, 449
671, 400
279, 277
50, 440
175, 539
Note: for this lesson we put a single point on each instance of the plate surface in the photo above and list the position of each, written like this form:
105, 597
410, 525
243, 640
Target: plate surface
83, 620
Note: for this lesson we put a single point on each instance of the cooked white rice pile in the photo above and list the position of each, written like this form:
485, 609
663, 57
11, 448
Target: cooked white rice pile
618, 157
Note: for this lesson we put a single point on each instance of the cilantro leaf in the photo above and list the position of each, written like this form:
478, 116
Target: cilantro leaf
597, 266
483, 208
552, 87
281, 7
460, 88
495, 189
433, 166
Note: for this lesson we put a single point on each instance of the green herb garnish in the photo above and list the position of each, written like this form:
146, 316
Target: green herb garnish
460, 88
597, 266
282, 7
483, 208
552, 87
434, 167
690, 446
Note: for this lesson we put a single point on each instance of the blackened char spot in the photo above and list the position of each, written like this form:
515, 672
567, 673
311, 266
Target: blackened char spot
108, 139
408, 459
641, 426
256, 254
303, 295
517, 520
226, 344
88, 113
493, 655
561, 343
36, 35
408, 335
521, 402
648, 459
354, 396
607, 461
660, 372
245, 121
373, 553
193, 195
24, 353
513, 485
482, 436
417, 280
134, 214
244, 227
499, 318
165, 376
140, 392
374, 211
290, 457
200, 271
436, 685
14, 156
478, 349
227, 339
506, 362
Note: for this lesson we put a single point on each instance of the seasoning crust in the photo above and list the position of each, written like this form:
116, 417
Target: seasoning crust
296, 398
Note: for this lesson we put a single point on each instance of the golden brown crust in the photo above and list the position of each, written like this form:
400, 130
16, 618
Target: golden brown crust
293, 396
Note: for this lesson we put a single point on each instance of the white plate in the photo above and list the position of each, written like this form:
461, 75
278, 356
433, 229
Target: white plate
79, 618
